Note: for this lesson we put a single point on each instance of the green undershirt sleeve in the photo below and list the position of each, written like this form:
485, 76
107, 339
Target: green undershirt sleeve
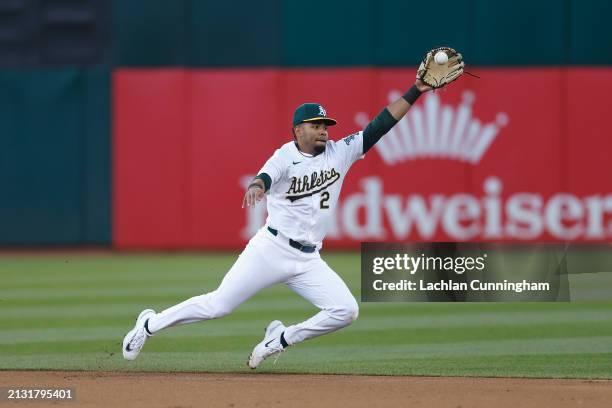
377, 128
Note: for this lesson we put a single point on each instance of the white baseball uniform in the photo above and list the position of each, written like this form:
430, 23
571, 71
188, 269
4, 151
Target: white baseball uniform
302, 197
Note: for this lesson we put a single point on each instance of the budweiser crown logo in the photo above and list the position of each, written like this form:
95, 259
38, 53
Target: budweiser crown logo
437, 131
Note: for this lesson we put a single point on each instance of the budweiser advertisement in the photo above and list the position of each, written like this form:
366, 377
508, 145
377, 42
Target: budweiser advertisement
517, 155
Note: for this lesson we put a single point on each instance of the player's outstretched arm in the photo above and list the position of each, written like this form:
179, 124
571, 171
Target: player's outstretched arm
400, 106
392, 114
433, 73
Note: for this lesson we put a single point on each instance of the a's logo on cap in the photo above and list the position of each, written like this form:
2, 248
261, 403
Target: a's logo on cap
322, 111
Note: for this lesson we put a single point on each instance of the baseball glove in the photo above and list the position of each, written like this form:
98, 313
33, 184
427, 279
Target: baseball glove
437, 75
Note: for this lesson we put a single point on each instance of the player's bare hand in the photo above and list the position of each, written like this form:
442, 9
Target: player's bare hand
421, 86
253, 195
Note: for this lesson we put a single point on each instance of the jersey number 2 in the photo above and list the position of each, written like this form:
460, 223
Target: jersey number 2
324, 198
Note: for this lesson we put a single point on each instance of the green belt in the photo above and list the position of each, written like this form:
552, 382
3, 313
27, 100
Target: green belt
304, 248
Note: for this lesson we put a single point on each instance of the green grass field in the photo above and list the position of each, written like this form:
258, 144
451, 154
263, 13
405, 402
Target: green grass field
71, 311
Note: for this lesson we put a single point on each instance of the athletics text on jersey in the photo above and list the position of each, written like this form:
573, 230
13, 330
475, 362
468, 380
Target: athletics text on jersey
307, 186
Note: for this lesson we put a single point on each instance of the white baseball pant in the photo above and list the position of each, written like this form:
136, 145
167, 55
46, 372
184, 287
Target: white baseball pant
268, 260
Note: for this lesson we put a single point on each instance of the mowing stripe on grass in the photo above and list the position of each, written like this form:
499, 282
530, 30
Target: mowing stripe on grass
245, 323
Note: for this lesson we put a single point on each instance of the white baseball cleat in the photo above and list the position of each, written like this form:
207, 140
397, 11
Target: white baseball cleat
269, 346
135, 339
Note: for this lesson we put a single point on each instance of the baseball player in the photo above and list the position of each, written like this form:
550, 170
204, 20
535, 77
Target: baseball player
302, 181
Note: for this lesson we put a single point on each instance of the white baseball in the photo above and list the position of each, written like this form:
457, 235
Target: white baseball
440, 57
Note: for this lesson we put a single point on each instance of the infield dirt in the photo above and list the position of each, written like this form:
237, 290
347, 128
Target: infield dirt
173, 390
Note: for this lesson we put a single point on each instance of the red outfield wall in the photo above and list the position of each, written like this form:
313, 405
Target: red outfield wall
519, 155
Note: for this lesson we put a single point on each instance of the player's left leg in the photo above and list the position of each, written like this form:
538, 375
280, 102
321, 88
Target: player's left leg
263, 263
319, 284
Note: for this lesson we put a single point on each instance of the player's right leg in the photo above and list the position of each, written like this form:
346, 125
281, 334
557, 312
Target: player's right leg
256, 268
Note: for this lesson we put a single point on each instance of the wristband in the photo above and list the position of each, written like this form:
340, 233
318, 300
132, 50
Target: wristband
412, 95
266, 180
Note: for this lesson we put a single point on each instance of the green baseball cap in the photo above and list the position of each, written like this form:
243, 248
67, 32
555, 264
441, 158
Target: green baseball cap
311, 112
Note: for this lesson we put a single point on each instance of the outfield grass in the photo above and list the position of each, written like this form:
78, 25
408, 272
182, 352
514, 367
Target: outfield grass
71, 311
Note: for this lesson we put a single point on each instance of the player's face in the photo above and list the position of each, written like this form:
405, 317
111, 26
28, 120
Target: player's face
312, 137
